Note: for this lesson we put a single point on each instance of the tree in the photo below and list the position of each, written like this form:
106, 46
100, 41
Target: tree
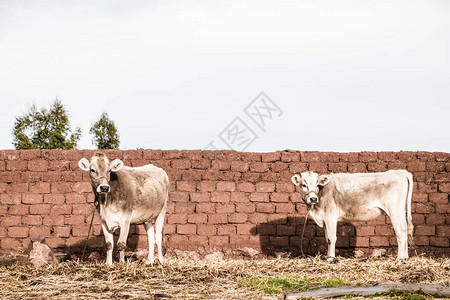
105, 133
45, 129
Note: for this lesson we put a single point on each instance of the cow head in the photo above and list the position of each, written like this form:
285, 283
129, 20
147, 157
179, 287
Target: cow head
310, 184
100, 168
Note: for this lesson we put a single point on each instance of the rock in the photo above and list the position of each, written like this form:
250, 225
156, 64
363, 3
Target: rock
215, 256
249, 252
378, 252
95, 256
40, 253
187, 254
359, 253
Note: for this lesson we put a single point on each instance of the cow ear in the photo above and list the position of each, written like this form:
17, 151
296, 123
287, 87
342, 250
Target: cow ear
116, 165
84, 164
296, 179
323, 180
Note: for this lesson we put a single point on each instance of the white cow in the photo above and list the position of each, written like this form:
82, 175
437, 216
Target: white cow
127, 196
359, 197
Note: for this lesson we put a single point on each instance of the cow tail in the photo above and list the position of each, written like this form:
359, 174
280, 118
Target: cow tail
410, 226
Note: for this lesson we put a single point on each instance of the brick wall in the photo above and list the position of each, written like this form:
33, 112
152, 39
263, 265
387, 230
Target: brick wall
219, 200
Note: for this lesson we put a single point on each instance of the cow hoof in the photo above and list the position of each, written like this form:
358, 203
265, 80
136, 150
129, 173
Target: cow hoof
149, 262
332, 259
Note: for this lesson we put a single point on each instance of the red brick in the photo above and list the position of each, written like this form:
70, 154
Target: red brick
226, 229
270, 157
257, 218
421, 240
51, 176
416, 166
39, 187
57, 198
18, 209
208, 230
205, 207
32, 220
290, 156
8, 221
75, 220
368, 156
259, 197
237, 218
245, 187
362, 241
443, 230
16, 165
245, 229
418, 219
240, 197
245, 207
32, 198
279, 197
285, 230
152, 154
61, 187
285, 208
406, 156
439, 241
298, 167
38, 165
220, 165
220, 197
219, 241
435, 166
226, 186
265, 187
206, 186
82, 209
40, 209
202, 164
337, 167
384, 230
18, 232
379, 241
53, 220
240, 166
186, 186
423, 208
197, 218
441, 156
18, 188
10, 198
259, 167
200, 197
177, 219
424, 230
186, 229
218, 218
365, 230
435, 219
438, 197
182, 164
419, 197
387, 156
62, 231
279, 167
310, 156
226, 208
179, 196
357, 168
377, 167
11, 243
318, 167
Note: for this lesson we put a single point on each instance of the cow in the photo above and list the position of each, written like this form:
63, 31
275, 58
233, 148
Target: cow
126, 195
359, 197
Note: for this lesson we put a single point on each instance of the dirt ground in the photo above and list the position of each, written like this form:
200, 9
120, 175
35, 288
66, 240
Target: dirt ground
218, 279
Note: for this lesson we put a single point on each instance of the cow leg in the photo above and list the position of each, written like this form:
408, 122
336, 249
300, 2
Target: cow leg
122, 241
159, 226
109, 244
400, 228
151, 242
330, 235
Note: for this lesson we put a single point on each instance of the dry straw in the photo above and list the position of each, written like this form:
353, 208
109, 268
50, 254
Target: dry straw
196, 279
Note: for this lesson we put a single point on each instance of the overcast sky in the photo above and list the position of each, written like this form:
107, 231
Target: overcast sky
344, 75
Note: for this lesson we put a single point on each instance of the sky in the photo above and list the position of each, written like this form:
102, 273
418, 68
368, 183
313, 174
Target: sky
342, 76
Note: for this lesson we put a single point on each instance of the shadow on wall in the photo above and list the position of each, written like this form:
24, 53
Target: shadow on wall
284, 235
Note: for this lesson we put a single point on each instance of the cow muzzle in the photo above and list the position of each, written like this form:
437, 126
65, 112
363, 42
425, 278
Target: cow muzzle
103, 188
311, 198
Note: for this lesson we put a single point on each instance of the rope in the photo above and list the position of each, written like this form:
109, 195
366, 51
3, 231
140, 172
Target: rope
303, 232
87, 238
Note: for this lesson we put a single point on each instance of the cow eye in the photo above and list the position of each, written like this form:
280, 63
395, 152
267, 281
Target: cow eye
304, 185
109, 171
92, 170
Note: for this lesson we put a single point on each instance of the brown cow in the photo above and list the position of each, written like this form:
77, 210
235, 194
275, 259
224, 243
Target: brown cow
127, 196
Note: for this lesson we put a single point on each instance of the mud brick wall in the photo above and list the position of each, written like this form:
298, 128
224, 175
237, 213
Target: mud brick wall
219, 200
